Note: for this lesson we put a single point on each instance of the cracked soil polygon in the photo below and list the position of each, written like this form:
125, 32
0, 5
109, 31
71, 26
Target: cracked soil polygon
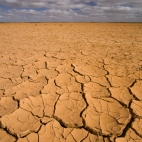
9, 71
95, 138
120, 81
49, 73
89, 70
49, 101
136, 106
40, 105
5, 137
96, 90
29, 88
7, 105
130, 136
67, 83
70, 82
100, 80
20, 123
54, 132
106, 116
32, 137
69, 107
63, 79
137, 126
122, 94
82, 79
64, 68
137, 89
50, 87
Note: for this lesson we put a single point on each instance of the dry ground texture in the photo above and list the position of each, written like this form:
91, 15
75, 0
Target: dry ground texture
70, 82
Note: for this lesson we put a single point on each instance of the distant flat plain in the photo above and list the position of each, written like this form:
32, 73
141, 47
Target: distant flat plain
71, 82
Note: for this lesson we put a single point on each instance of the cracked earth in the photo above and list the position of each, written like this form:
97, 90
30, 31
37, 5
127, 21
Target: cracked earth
70, 82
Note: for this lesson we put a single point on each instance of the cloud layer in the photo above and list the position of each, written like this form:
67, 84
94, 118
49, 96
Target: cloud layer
71, 10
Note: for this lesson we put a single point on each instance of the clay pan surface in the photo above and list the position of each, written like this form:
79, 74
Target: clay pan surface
70, 82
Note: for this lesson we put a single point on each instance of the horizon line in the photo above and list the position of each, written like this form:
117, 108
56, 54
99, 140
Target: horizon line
70, 22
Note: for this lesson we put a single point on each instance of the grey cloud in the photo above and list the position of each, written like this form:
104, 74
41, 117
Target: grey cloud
72, 10
46, 3
36, 4
117, 3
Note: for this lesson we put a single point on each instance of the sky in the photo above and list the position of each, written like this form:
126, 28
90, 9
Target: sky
70, 10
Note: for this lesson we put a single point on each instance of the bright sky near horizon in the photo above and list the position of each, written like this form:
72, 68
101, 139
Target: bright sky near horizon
70, 10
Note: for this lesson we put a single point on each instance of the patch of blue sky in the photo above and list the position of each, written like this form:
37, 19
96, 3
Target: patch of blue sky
4, 8
91, 3
79, 11
39, 9
127, 5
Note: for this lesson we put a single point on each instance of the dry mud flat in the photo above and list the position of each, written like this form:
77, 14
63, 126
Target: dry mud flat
70, 82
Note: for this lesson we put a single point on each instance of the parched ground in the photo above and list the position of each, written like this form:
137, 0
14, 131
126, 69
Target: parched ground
70, 82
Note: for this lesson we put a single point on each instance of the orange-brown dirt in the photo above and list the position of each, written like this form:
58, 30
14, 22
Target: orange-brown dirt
70, 82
